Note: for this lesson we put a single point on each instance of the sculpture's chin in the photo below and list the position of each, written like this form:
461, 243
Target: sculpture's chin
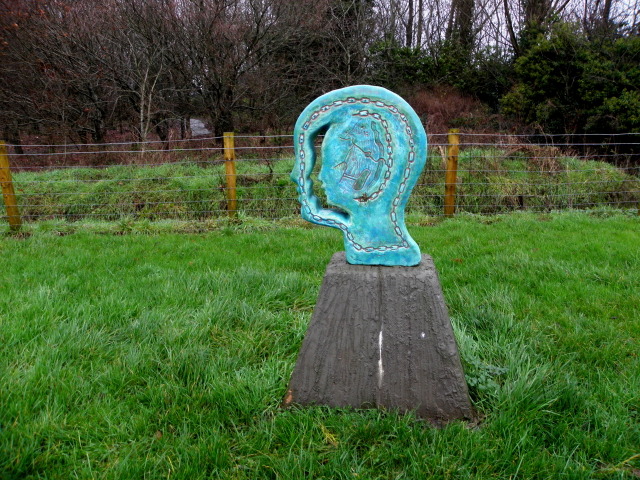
409, 256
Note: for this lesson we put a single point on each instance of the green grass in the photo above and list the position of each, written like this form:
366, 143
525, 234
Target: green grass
166, 355
489, 182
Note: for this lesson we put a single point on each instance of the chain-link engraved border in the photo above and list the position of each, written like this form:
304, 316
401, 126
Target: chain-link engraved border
406, 174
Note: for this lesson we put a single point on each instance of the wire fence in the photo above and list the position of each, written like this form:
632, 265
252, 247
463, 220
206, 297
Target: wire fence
187, 179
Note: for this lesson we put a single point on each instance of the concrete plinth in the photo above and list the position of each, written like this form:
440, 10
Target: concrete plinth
381, 337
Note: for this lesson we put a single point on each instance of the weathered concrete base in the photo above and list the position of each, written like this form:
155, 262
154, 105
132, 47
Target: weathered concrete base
381, 337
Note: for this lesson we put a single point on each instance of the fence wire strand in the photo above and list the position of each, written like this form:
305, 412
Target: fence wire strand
187, 180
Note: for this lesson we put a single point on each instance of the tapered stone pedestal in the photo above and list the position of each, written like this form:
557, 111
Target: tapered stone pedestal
381, 337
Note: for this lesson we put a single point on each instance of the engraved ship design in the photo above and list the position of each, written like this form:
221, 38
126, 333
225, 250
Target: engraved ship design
364, 161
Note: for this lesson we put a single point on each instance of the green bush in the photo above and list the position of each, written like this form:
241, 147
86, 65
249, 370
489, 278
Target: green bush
568, 83
483, 74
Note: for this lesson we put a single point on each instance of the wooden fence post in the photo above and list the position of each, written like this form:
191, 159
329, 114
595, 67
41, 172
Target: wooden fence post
451, 173
8, 194
230, 167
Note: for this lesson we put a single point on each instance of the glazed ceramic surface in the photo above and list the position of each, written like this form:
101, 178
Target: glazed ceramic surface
373, 151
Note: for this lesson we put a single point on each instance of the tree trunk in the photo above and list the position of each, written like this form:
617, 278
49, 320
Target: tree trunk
535, 12
222, 123
420, 23
512, 34
13, 137
185, 128
98, 130
409, 30
460, 27
162, 130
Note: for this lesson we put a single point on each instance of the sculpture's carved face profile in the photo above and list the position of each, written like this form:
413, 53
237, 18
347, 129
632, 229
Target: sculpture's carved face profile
373, 152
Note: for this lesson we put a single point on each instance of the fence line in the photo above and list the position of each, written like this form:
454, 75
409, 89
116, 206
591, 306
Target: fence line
487, 177
208, 138
434, 195
281, 147
275, 159
142, 142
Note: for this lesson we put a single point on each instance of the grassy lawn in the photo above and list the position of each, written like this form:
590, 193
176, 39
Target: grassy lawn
166, 355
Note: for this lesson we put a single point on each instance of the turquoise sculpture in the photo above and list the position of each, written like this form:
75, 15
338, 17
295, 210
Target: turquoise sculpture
373, 151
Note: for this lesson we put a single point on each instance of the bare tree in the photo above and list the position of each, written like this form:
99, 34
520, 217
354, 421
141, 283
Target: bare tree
527, 17
226, 44
460, 27
604, 18
54, 83
149, 82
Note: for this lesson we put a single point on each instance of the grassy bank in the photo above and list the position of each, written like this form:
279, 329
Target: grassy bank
166, 355
489, 181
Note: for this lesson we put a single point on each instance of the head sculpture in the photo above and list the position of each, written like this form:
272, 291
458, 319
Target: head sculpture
373, 152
